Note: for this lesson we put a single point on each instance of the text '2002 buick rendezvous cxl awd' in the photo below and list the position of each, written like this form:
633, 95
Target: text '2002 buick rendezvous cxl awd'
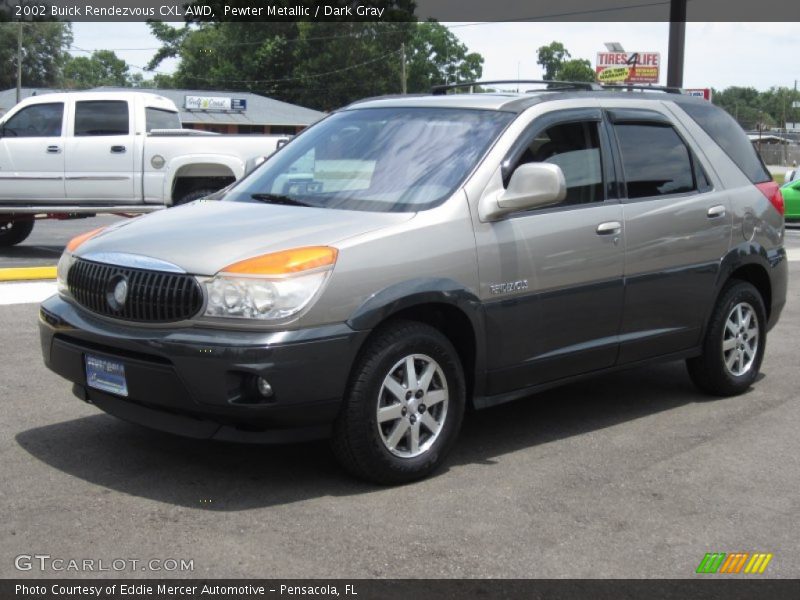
408, 257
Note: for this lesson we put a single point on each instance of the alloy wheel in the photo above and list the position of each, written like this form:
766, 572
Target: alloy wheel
412, 406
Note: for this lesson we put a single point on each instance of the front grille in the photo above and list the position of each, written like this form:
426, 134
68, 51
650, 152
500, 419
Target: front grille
152, 296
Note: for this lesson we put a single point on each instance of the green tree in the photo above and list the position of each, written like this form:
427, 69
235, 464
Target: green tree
552, 57
576, 70
320, 65
740, 102
44, 51
103, 67
435, 56
337, 63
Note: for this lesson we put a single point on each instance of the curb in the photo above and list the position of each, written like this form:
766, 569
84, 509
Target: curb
27, 273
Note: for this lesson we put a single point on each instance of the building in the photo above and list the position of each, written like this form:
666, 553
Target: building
221, 112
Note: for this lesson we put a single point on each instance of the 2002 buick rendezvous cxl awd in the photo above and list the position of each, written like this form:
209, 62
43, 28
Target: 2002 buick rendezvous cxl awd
407, 257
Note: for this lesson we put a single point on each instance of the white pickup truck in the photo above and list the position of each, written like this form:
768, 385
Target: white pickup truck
83, 153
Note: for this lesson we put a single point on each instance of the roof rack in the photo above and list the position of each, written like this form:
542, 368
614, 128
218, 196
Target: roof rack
649, 88
438, 90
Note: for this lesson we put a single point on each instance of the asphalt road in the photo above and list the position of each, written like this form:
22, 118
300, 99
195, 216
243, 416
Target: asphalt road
634, 474
48, 239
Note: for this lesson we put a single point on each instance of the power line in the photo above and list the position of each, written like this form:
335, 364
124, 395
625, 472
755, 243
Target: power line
256, 43
281, 80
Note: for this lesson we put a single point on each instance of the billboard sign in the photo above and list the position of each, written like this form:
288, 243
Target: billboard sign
704, 93
628, 67
222, 103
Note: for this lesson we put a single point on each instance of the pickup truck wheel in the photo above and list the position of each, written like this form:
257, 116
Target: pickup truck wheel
192, 196
734, 344
403, 407
14, 232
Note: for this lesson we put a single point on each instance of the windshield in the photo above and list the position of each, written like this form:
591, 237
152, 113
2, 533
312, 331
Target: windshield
376, 159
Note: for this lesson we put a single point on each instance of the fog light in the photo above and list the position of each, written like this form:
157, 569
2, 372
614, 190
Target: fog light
263, 387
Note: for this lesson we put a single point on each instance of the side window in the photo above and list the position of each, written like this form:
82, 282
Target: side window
655, 160
39, 120
101, 117
726, 132
157, 118
575, 147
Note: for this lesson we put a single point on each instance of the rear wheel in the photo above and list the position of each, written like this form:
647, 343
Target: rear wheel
14, 231
404, 405
734, 344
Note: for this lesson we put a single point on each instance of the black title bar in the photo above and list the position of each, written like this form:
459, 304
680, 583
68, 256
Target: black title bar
392, 10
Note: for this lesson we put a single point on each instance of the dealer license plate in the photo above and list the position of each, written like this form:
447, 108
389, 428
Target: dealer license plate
106, 375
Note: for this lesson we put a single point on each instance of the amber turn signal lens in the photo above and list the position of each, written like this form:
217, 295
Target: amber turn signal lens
288, 261
75, 242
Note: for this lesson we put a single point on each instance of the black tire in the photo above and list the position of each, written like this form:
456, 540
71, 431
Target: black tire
14, 232
359, 441
710, 371
192, 196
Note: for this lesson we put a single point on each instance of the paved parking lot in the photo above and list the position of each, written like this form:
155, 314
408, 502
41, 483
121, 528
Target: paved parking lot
48, 239
628, 475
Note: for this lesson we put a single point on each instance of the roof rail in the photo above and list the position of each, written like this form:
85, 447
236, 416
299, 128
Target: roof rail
651, 88
438, 90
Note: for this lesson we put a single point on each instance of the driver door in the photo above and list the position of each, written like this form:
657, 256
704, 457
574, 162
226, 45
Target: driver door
32, 154
552, 277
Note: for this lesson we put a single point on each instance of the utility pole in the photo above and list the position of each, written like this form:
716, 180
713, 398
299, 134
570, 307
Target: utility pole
19, 63
677, 41
403, 67
785, 137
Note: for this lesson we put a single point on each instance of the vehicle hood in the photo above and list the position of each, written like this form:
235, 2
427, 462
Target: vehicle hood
205, 236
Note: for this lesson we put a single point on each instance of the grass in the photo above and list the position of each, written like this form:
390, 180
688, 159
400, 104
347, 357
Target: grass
778, 177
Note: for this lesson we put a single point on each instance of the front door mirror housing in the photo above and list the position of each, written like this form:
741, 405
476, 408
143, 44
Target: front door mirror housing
532, 185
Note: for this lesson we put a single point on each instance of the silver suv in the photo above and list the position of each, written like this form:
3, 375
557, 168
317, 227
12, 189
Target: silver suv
409, 257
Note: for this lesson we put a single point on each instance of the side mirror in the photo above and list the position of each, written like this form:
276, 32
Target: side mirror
532, 185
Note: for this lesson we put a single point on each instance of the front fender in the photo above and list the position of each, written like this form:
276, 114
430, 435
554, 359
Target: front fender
427, 292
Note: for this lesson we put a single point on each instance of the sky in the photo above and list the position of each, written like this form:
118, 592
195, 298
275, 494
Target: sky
718, 55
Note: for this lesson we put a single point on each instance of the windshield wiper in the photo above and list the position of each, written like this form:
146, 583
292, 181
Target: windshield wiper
279, 199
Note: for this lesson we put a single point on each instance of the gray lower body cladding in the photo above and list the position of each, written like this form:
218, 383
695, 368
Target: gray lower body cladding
202, 383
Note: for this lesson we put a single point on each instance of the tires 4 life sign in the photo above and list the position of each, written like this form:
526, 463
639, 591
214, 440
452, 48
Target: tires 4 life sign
628, 67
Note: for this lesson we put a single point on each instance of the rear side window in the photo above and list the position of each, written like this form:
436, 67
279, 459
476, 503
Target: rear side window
729, 136
655, 160
101, 117
158, 118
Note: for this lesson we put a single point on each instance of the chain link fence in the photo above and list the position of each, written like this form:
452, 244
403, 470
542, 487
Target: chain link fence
779, 154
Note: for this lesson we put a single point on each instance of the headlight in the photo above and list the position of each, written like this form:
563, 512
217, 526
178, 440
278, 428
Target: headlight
67, 258
269, 287
64, 263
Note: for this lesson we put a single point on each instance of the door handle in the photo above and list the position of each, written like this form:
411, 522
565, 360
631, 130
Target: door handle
609, 228
118, 149
54, 149
716, 211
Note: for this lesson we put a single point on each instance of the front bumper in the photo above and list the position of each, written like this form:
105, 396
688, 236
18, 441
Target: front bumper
201, 382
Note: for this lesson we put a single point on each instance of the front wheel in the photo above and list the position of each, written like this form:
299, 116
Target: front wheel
15, 231
734, 344
404, 405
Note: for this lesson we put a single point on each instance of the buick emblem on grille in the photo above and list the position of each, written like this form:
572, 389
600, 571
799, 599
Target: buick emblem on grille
118, 292
134, 293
